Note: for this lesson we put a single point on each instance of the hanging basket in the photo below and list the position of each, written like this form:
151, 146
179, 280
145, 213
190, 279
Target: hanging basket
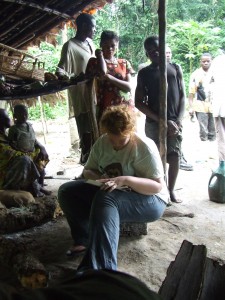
20, 64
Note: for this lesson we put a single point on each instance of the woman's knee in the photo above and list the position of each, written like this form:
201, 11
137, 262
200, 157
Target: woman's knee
160, 212
65, 192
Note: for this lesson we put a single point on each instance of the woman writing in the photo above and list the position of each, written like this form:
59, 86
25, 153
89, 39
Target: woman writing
113, 75
94, 214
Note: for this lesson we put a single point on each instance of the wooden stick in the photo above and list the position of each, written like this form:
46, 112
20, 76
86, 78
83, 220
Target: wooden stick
42, 117
163, 83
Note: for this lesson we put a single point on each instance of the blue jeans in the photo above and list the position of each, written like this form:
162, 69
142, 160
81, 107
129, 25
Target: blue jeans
94, 218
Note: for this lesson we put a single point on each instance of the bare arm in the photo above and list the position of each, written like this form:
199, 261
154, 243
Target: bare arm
192, 93
182, 95
43, 153
91, 174
191, 100
123, 85
102, 67
141, 105
96, 66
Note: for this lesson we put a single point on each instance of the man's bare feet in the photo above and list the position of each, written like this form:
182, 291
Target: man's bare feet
174, 199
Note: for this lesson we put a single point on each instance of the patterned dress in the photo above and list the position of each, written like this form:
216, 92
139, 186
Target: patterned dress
17, 169
107, 93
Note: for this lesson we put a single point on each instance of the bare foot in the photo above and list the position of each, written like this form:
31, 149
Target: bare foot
174, 199
45, 192
38, 195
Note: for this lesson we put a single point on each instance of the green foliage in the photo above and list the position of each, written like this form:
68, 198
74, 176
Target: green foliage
50, 112
193, 27
47, 53
188, 40
133, 24
185, 10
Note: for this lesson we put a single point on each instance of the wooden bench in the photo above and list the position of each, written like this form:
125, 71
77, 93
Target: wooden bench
193, 276
133, 229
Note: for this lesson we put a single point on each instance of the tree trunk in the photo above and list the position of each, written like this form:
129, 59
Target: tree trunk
163, 82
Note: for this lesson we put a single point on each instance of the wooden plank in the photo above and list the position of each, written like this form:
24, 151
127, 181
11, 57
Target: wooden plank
214, 281
191, 281
184, 275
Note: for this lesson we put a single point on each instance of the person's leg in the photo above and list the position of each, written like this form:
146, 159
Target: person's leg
173, 158
42, 176
85, 134
86, 144
220, 133
152, 131
174, 163
108, 210
75, 199
184, 165
211, 128
21, 175
203, 125
41, 183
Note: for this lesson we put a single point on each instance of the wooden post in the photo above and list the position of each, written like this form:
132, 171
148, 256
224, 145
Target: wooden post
163, 82
42, 117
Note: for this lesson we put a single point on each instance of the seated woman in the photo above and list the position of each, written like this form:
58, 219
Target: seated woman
113, 75
22, 138
119, 158
17, 169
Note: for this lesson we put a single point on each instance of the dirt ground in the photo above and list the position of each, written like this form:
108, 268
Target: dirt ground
146, 257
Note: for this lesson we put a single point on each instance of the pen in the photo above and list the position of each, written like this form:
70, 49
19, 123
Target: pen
104, 173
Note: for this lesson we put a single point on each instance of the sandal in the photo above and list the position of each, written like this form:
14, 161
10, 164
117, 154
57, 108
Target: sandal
75, 251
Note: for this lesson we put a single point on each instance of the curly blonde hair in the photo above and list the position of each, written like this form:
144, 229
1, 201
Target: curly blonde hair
118, 120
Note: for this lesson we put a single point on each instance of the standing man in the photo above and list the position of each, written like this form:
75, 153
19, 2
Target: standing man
217, 90
199, 98
147, 101
74, 58
183, 162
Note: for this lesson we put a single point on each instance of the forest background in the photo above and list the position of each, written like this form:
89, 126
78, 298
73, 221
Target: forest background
193, 27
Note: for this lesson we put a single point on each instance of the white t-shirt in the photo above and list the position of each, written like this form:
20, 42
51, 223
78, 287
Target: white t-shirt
218, 86
74, 58
139, 158
203, 77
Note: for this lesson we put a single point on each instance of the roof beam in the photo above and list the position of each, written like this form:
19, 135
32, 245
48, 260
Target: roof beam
48, 25
14, 24
40, 7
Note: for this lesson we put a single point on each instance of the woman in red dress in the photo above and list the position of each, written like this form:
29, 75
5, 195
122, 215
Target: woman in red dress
113, 75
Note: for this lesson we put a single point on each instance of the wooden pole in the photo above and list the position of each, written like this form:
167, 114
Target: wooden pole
42, 117
163, 82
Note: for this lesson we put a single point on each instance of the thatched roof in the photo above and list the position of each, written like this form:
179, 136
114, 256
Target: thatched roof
26, 22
